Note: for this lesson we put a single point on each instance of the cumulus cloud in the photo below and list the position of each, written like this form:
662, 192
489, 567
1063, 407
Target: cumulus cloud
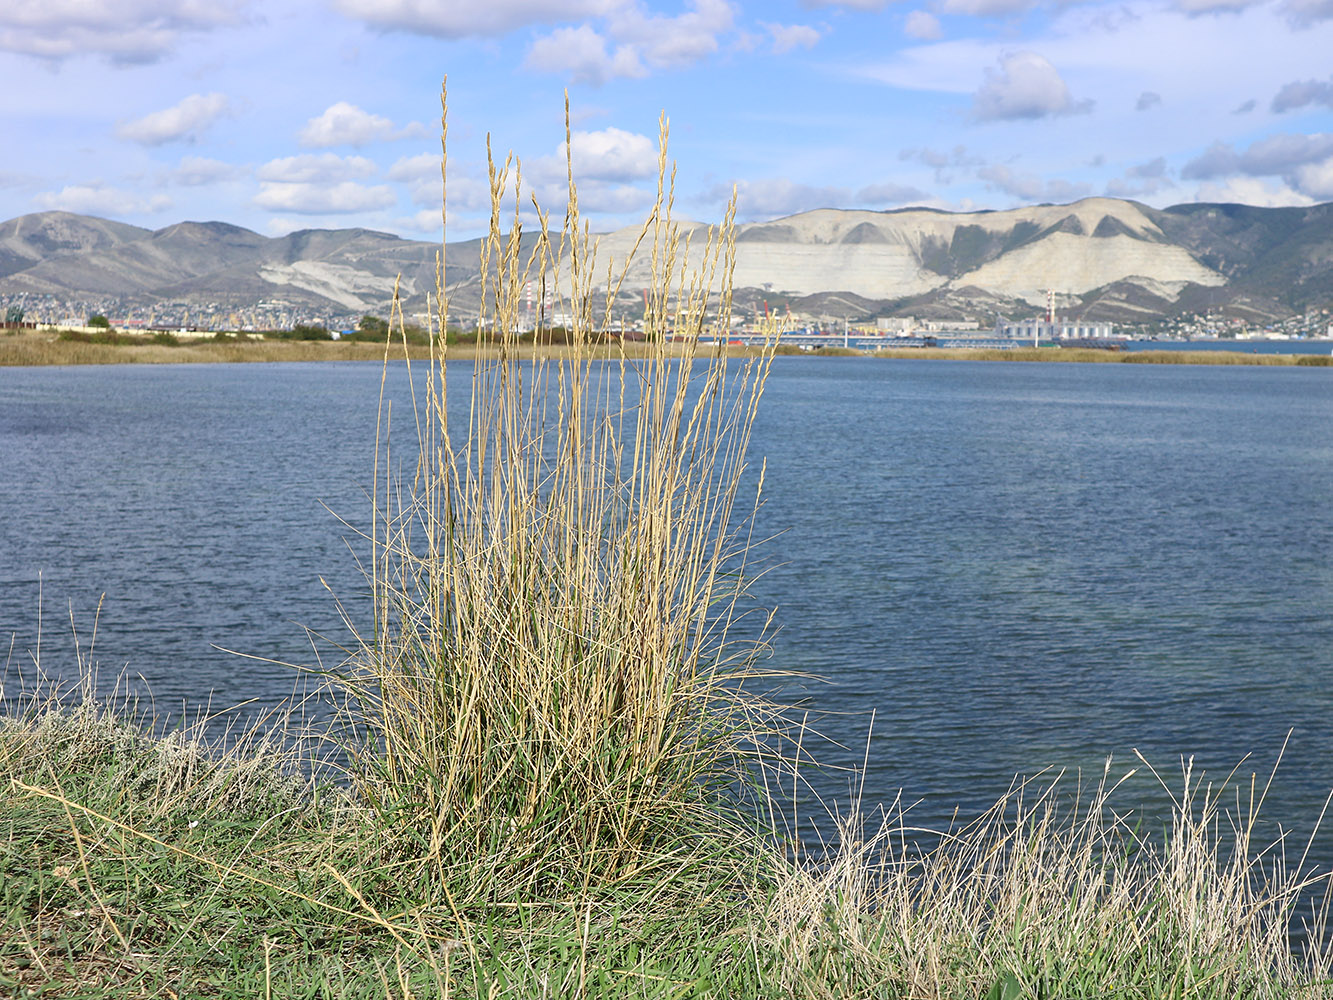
1195, 8
323, 199
129, 31
199, 171
612, 199
611, 154
452, 19
985, 8
1246, 107
1307, 13
344, 124
181, 122
315, 168
629, 43
1315, 180
1030, 187
670, 42
422, 175
923, 25
423, 166
1272, 156
98, 199
584, 56
1147, 100
1024, 86
1304, 162
787, 37
1252, 191
1301, 93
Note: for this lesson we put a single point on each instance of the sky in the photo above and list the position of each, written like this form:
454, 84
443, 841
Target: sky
280, 115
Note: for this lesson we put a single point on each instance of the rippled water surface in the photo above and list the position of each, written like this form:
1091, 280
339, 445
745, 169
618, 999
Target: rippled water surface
1014, 565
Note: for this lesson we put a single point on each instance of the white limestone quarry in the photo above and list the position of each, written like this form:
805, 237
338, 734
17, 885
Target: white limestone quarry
348, 286
1078, 264
882, 255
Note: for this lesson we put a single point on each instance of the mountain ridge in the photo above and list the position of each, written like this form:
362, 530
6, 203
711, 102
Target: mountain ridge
1106, 258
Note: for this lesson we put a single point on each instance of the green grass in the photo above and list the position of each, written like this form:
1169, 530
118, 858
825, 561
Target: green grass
141, 866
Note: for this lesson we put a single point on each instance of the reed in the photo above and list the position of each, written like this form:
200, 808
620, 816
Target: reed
553, 693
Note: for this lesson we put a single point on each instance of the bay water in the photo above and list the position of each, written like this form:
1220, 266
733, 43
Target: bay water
1014, 566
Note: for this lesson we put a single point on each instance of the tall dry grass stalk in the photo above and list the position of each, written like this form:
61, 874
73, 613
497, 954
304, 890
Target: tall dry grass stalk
553, 693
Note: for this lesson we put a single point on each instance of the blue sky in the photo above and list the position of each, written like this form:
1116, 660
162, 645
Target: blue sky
292, 114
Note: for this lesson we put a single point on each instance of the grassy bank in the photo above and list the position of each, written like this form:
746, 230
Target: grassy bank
30, 349
559, 757
134, 866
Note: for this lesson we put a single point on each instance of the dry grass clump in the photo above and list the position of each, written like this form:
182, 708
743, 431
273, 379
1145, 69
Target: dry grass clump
552, 695
51, 737
1055, 897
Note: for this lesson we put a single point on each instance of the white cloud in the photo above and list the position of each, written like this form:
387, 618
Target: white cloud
985, 8
611, 154
1025, 85
631, 41
464, 18
198, 171
423, 166
344, 124
315, 168
1303, 162
787, 37
1197, 7
668, 42
1147, 100
611, 199
180, 122
97, 199
1301, 93
1315, 180
131, 31
1029, 187
1307, 13
583, 55
1252, 191
322, 198
923, 25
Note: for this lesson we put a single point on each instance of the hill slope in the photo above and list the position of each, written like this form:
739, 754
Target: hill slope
1107, 258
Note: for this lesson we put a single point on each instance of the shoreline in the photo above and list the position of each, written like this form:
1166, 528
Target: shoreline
28, 350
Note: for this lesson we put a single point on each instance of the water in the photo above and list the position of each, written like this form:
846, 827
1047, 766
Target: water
1016, 566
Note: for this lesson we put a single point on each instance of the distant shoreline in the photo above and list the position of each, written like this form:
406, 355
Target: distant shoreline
30, 350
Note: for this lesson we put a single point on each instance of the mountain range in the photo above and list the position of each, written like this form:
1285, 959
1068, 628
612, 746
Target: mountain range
1105, 258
